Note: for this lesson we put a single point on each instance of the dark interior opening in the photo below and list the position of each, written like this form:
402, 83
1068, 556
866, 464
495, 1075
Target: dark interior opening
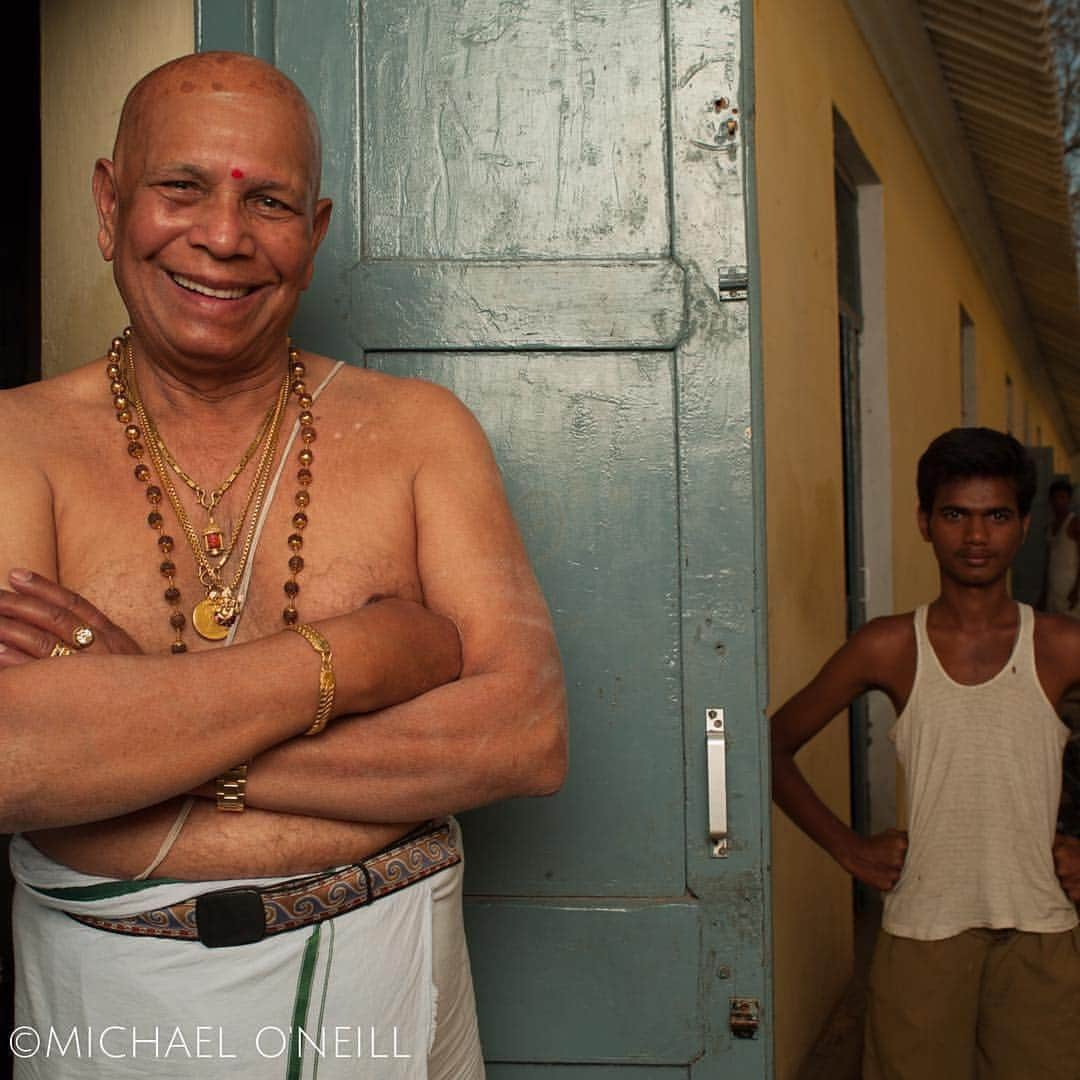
20, 316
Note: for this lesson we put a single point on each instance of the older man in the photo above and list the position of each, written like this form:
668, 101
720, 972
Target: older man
204, 485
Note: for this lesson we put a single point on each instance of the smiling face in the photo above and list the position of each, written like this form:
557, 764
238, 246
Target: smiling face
209, 210
975, 529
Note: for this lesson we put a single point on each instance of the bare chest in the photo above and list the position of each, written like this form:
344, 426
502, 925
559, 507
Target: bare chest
358, 539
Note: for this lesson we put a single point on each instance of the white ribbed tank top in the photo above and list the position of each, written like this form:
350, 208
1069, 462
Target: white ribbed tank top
983, 771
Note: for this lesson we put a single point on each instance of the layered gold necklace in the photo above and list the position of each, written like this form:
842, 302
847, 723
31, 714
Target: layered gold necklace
213, 616
213, 544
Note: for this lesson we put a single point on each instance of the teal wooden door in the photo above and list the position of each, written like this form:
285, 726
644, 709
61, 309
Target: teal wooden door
541, 204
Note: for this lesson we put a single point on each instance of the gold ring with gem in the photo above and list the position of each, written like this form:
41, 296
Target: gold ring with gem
82, 637
61, 648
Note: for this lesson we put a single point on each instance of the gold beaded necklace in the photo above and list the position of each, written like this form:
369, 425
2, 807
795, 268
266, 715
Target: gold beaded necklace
216, 613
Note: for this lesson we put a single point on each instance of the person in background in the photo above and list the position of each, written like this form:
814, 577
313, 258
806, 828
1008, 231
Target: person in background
1062, 589
976, 971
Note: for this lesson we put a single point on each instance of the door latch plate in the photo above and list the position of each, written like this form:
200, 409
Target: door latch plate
745, 1017
716, 760
733, 283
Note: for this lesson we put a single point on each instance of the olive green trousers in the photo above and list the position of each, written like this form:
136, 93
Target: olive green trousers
983, 1005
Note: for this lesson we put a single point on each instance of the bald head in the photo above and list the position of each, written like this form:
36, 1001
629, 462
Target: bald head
227, 73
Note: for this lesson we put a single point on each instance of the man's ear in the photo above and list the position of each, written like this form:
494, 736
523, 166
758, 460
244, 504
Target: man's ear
323, 209
1026, 522
923, 518
319, 224
106, 199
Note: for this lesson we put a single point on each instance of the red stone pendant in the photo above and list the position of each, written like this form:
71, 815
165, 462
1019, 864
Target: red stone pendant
213, 539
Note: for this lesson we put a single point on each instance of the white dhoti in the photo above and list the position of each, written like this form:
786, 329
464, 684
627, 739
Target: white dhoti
381, 991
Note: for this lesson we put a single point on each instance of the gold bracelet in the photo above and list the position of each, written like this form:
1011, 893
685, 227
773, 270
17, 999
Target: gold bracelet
327, 682
232, 789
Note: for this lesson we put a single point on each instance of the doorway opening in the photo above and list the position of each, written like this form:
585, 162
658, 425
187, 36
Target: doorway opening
969, 397
20, 245
20, 332
864, 393
867, 476
849, 303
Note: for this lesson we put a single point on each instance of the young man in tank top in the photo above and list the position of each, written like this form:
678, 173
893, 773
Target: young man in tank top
977, 968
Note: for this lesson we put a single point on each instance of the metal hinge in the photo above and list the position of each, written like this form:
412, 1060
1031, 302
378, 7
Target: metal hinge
745, 1017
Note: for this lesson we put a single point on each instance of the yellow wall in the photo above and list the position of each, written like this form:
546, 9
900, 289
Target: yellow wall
811, 59
87, 66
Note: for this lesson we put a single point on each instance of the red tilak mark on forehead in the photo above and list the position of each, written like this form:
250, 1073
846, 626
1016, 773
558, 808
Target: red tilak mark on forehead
238, 174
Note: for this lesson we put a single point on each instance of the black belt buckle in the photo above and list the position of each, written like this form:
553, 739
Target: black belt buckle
230, 917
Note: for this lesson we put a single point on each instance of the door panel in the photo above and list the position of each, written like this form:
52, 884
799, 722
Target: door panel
455, 305
585, 443
577, 990
514, 129
541, 204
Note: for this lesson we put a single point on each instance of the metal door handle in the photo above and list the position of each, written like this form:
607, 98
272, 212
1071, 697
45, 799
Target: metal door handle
716, 760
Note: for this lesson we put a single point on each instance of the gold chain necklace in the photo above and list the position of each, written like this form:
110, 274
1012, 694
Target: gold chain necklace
209, 500
214, 615
213, 546
213, 542
159, 455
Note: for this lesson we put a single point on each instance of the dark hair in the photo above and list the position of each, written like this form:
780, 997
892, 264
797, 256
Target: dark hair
975, 451
1061, 485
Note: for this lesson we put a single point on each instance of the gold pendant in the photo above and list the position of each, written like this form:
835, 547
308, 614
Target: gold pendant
213, 616
228, 606
203, 618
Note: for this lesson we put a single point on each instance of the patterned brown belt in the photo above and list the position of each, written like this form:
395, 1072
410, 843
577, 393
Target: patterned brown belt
246, 914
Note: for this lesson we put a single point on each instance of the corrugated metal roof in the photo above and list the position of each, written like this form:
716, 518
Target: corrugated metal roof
995, 56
